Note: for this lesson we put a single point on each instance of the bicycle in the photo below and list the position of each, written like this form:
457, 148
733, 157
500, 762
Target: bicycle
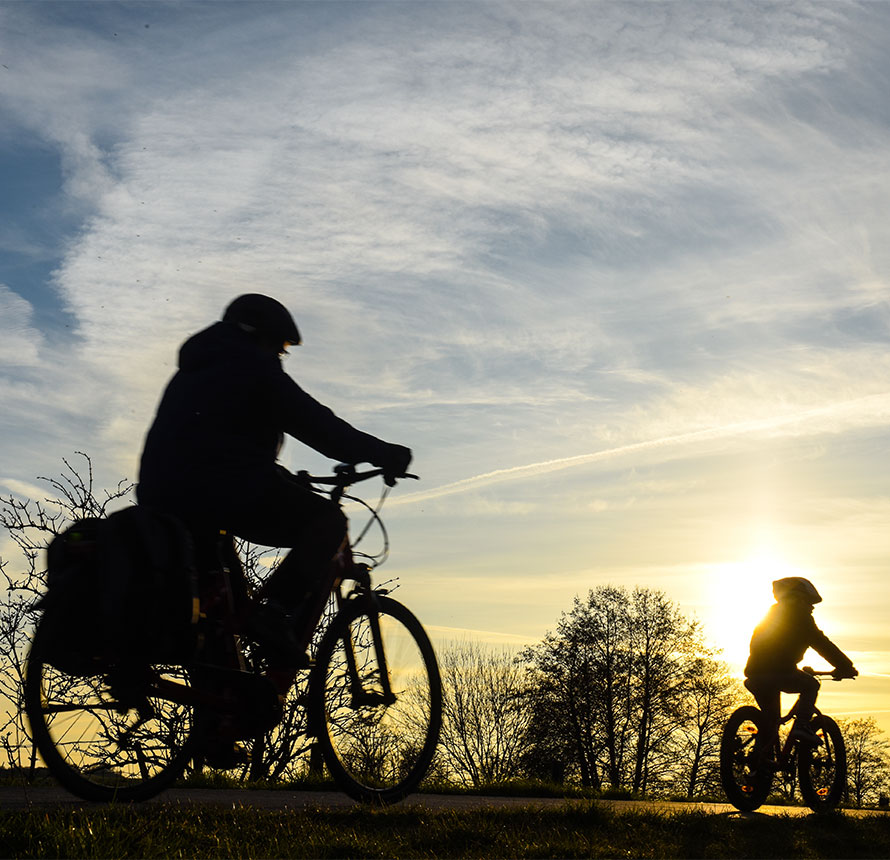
752, 753
373, 695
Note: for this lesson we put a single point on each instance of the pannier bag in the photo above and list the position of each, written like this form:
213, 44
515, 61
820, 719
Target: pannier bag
120, 590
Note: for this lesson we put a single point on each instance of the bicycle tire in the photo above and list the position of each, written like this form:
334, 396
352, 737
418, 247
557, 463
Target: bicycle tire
376, 752
822, 769
745, 781
92, 743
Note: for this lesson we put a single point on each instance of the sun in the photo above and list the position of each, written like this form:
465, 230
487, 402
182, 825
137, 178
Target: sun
739, 595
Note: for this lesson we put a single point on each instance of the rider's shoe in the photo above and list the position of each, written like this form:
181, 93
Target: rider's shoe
282, 679
225, 755
803, 732
274, 628
130, 691
770, 762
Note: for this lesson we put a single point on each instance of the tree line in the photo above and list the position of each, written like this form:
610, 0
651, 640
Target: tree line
624, 695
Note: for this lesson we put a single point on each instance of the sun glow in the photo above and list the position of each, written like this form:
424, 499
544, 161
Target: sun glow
740, 595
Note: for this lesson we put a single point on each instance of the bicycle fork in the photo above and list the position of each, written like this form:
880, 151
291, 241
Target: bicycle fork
359, 695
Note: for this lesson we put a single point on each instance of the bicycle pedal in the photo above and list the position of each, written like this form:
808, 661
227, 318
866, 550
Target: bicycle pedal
806, 736
226, 756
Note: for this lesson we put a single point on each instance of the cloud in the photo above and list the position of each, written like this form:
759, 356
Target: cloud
19, 340
445, 637
509, 235
830, 418
541, 244
381, 161
25, 490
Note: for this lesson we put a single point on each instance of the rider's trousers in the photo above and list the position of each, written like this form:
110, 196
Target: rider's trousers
767, 686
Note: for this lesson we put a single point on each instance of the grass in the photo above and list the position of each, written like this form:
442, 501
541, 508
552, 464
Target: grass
511, 788
581, 829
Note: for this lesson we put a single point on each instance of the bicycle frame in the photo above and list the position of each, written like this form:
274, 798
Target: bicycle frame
361, 575
752, 752
343, 569
162, 716
784, 752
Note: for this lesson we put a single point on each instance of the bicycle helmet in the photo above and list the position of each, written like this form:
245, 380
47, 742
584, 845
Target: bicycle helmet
263, 316
798, 586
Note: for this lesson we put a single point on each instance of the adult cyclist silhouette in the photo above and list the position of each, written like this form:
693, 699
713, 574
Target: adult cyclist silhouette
210, 457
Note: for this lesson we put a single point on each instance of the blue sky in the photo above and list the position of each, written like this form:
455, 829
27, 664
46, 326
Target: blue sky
618, 273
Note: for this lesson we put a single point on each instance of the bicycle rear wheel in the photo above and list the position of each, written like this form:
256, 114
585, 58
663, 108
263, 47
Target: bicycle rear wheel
822, 769
377, 748
745, 777
106, 741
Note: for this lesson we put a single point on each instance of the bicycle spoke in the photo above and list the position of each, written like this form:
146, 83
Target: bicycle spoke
744, 772
380, 723
97, 746
823, 769
61, 709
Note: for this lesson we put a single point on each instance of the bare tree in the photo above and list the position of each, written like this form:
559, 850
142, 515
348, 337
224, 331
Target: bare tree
484, 714
605, 636
710, 695
16, 614
566, 698
612, 686
868, 759
662, 642
31, 525
582, 692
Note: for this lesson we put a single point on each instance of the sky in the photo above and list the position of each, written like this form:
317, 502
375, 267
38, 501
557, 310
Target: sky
618, 273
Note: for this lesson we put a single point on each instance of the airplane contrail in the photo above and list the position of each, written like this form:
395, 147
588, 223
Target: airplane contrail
874, 406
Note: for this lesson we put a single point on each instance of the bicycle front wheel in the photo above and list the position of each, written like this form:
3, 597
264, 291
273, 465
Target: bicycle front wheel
745, 775
822, 769
376, 702
106, 741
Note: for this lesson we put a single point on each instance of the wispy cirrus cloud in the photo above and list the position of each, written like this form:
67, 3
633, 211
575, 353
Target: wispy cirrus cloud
522, 238
19, 340
873, 410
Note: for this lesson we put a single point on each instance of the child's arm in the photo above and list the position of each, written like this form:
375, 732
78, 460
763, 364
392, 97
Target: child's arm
823, 646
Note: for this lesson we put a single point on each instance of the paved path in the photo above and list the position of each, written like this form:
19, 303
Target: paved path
47, 798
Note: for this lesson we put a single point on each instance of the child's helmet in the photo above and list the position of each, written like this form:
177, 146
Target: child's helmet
796, 586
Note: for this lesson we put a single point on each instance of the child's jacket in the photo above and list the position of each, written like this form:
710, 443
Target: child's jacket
782, 638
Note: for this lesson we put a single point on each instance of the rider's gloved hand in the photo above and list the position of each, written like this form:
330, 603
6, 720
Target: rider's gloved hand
845, 672
394, 461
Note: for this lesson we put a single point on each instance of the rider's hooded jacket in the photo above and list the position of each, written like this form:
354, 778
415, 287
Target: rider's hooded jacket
782, 638
220, 425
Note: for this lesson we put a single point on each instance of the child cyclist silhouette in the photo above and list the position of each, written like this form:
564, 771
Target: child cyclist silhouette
779, 643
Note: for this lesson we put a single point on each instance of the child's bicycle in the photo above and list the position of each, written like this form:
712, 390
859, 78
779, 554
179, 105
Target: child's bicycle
751, 754
373, 699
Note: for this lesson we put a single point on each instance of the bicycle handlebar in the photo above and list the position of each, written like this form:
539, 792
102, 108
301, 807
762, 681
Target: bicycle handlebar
833, 672
345, 474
